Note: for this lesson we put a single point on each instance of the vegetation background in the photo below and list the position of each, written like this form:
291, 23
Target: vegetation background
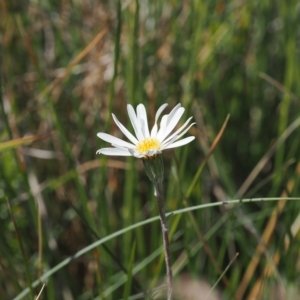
66, 65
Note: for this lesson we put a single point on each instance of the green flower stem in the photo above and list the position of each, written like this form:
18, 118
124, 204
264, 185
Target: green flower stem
155, 170
165, 229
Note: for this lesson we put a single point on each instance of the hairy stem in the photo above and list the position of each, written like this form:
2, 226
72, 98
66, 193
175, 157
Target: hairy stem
164, 227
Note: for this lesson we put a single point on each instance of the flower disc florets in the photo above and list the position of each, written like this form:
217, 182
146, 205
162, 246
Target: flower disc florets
148, 144
145, 143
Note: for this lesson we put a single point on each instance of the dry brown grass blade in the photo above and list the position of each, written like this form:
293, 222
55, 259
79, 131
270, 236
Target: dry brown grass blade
40, 293
93, 164
257, 289
254, 293
15, 143
265, 239
191, 215
27, 42
216, 140
206, 247
266, 158
185, 201
206, 148
67, 70
278, 85
3, 8
21, 246
72, 64
81, 169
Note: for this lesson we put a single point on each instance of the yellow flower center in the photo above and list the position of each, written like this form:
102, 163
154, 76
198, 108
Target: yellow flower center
148, 144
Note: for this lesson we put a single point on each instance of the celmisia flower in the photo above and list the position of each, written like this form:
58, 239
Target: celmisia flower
146, 144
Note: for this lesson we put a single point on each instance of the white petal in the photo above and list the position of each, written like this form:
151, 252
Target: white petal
173, 112
181, 142
162, 127
152, 152
142, 117
165, 145
183, 133
120, 147
113, 152
172, 122
114, 140
135, 153
178, 131
158, 113
125, 131
135, 123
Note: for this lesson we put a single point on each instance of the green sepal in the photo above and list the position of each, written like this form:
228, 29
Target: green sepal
154, 167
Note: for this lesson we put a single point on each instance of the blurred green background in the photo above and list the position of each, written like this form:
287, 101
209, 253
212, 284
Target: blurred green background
67, 65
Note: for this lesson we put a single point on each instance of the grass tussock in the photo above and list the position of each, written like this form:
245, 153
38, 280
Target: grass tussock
67, 65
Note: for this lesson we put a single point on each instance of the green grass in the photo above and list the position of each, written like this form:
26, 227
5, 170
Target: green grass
67, 65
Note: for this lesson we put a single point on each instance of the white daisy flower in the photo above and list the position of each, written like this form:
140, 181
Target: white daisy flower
145, 143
